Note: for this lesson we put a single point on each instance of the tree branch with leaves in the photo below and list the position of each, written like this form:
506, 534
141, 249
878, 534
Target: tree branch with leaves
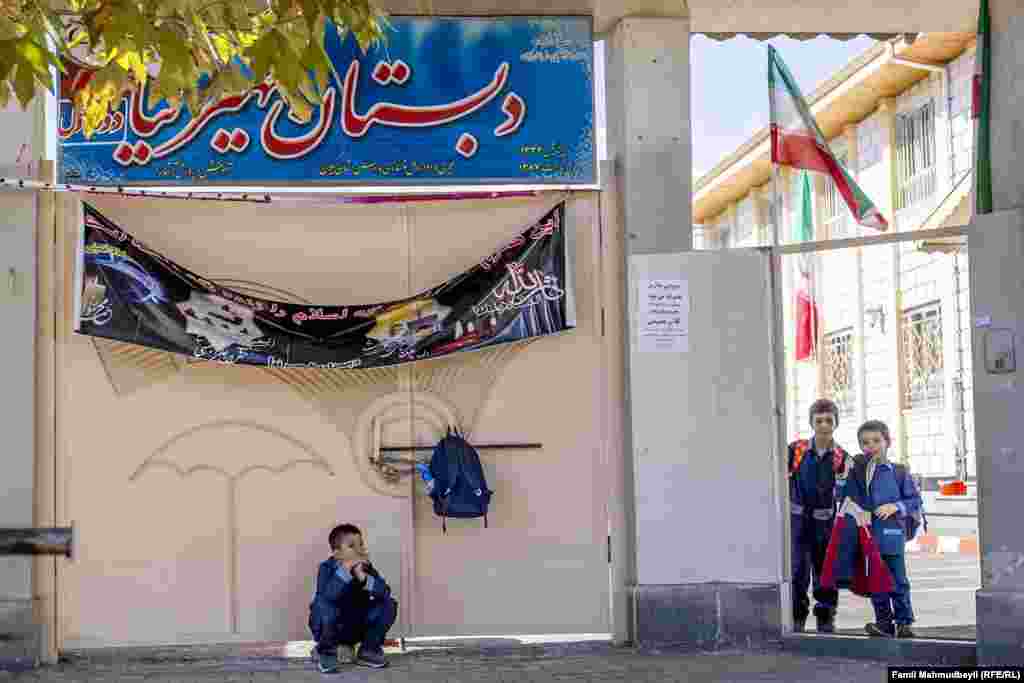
189, 52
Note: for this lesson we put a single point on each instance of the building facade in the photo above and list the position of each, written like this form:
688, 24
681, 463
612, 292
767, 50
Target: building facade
894, 331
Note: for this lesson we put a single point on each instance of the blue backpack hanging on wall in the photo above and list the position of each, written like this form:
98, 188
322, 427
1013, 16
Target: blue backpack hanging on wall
460, 488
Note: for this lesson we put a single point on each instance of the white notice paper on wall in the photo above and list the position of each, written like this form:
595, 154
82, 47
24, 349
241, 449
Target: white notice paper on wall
663, 316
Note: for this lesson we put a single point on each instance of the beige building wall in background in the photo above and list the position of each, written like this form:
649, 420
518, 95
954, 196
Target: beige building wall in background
202, 494
924, 278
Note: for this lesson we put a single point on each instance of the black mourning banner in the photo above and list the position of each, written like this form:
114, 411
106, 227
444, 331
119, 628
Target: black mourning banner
133, 294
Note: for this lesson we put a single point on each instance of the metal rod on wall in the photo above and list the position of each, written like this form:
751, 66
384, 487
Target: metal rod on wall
482, 447
37, 541
391, 460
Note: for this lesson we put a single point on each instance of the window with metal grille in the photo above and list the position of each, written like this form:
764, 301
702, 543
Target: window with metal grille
923, 385
839, 379
915, 155
835, 209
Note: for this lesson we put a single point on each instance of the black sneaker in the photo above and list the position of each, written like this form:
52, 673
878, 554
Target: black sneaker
374, 660
880, 630
799, 625
826, 625
904, 631
327, 664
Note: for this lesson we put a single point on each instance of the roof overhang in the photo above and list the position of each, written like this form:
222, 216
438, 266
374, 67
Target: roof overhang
847, 98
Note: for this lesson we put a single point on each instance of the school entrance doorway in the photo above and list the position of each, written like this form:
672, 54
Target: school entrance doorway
924, 395
892, 342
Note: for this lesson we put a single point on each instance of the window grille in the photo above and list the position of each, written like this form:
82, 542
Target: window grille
915, 156
923, 357
839, 375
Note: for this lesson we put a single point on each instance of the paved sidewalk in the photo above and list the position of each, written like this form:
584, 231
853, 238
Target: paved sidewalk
945, 544
597, 662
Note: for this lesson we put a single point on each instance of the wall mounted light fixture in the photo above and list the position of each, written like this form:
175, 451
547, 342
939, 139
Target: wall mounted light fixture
876, 317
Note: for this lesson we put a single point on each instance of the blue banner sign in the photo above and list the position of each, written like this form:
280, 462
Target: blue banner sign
446, 100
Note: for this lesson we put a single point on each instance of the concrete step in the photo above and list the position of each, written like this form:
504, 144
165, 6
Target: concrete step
925, 651
19, 636
18, 652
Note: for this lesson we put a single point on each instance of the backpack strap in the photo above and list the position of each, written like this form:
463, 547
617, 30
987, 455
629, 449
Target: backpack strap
902, 472
796, 456
453, 457
469, 473
838, 459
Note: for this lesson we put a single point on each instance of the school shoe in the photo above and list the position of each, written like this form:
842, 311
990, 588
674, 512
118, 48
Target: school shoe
374, 660
327, 664
904, 631
826, 620
799, 625
880, 630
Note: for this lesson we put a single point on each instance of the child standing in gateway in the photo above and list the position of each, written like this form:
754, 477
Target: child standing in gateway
892, 497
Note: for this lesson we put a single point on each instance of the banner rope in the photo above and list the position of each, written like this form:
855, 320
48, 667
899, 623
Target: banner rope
265, 197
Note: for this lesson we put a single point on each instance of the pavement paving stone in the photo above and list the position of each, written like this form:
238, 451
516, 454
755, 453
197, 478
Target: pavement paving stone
540, 664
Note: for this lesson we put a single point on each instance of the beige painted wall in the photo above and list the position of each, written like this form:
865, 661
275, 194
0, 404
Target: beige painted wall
18, 311
228, 550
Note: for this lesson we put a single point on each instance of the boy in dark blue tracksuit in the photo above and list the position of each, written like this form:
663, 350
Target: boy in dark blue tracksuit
817, 468
892, 496
352, 604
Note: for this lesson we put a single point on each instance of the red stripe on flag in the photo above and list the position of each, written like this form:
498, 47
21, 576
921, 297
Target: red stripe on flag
806, 319
800, 151
976, 96
804, 152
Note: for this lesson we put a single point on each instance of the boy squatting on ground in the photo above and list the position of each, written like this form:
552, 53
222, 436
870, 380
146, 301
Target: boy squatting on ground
890, 497
817, 468
352, 604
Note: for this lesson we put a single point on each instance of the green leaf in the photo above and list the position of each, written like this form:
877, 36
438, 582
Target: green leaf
262, 55
8, 59
25, 84
10, 30
30, 53
132, 63
5, 94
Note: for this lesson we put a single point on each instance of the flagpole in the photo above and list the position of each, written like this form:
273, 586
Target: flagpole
776, 203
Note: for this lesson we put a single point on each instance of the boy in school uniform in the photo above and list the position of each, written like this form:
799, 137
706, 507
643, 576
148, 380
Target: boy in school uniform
352, 604
817, 470
892, 497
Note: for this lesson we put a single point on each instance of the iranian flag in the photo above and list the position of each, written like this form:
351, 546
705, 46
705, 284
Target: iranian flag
807, 314
797, 142
980, 110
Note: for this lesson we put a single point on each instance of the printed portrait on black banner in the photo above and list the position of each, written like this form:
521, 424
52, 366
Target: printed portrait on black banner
133, 294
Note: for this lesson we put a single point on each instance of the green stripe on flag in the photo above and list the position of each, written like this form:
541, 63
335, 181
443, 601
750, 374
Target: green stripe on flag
804, 231
983, 156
